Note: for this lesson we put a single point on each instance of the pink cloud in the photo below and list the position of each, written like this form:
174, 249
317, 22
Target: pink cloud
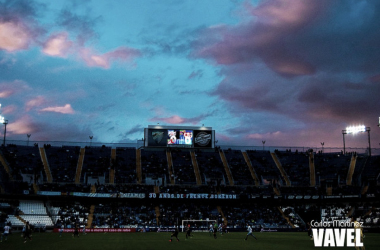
67, 109
14, 35
57, 45
38, 101
104, 60
176, 119
6, 93
23, 125
283, 13
266, 135
8, 89
223, 138
8, 109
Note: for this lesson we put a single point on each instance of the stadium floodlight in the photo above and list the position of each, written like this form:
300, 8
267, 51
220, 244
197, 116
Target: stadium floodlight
5, 122
354, 130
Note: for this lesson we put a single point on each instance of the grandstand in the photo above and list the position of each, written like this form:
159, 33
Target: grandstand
128, 187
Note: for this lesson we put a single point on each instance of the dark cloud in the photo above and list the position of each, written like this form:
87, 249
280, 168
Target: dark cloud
342, 101
323, 59
136, 129
296, 38
13, 10
265, 38
196, 74
82, 25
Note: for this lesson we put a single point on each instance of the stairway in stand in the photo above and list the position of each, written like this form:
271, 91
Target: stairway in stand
93, 189
6, 167
251, 169
329, 190
226, 167
170, 167
364, 189
157, 208
112, 167
351, 170
45, 162
196, 168
222, 214
90, 216
35, 188
21, 219
282, 170
285, 217
79, 165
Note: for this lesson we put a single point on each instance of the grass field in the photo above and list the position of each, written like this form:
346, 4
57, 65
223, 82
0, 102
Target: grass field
160, 241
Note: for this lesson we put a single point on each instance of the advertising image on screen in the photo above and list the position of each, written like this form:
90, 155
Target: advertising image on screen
180, 137
156, 137
203, 139
186, 137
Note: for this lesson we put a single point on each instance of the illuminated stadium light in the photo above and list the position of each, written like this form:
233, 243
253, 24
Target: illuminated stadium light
5, 122
354, 130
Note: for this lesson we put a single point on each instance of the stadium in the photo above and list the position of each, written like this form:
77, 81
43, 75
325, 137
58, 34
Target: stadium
179, 178
182, 124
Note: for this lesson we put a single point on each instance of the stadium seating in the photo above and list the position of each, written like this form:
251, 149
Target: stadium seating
331, 171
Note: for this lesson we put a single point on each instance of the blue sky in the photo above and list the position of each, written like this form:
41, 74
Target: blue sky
291, 72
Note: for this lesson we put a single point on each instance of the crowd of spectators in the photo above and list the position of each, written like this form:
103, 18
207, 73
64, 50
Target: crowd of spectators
70, 214
114, 215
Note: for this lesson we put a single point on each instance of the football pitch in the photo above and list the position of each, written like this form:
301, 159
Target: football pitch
160, 241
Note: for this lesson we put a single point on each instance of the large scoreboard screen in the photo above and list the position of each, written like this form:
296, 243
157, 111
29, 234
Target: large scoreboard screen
176, 136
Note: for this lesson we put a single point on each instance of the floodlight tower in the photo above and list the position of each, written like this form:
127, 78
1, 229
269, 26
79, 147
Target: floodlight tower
368, 129
263, 144
344, 132
5, 122
354, 130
